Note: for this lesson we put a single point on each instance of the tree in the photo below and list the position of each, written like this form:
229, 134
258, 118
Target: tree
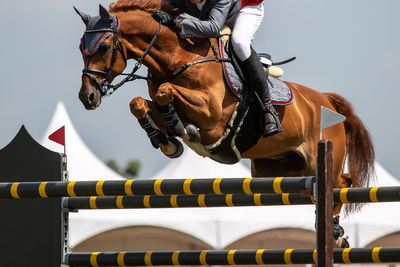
112, 163
131, 170
133, 167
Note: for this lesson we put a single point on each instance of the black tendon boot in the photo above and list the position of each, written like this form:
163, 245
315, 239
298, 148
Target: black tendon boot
257, 79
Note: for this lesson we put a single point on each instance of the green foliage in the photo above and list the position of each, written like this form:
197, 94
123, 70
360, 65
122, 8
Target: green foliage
130, 171
133, 167
113, 164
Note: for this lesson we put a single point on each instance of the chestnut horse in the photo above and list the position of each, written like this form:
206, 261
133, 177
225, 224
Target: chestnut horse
201, 98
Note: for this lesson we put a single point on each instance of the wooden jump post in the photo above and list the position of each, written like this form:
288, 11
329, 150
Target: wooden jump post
324, 197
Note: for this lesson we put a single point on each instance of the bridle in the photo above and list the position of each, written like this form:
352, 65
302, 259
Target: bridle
105, 87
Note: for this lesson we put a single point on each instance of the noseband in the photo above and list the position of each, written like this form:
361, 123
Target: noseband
105, 87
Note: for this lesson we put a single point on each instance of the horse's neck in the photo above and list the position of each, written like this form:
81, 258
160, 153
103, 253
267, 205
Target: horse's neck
166, 55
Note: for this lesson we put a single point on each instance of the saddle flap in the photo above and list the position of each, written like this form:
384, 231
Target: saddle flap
281, 94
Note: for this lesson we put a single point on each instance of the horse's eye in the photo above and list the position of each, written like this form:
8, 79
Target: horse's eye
104, 48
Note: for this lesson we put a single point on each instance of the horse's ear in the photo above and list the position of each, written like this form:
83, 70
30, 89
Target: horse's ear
84, 16
104, 14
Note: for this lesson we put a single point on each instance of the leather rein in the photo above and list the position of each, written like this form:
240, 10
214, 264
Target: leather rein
105, 87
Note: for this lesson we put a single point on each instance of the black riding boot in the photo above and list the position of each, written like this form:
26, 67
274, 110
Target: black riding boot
257, 79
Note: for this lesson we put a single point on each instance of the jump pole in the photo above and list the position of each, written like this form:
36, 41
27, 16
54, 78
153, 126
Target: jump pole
217, 186
230, 257
344, 195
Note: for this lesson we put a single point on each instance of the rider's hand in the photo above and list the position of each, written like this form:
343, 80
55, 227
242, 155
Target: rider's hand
163, 17
178, 22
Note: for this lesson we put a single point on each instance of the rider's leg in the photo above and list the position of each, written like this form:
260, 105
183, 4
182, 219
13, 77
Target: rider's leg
247, 23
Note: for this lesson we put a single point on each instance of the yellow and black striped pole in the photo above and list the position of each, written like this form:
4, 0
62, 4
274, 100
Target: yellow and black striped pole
231, 257
352, 195
185, 201
156, 187
371, 194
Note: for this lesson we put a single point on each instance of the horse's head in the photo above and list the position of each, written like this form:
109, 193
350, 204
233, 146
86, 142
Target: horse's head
103, 55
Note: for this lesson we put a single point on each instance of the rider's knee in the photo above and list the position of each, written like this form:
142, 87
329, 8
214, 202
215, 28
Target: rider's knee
241, 46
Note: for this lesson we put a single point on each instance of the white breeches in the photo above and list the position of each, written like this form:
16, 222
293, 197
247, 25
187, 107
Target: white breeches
247, 23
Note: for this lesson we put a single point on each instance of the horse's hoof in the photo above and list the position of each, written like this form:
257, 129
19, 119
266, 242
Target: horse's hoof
192, 132
342, 242
338, 231
174, 124
176, 129
157, 139
341, 231
179, 148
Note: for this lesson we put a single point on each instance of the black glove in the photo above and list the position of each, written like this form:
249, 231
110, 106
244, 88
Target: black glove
163, 17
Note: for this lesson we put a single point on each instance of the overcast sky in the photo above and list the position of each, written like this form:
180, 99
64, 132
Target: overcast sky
350, 47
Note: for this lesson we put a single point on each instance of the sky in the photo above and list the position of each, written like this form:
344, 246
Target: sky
350, 47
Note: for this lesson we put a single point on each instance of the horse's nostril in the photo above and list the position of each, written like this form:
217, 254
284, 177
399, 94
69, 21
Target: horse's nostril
91, 97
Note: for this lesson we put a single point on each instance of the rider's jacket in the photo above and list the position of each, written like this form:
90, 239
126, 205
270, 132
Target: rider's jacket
210, 19
251, 2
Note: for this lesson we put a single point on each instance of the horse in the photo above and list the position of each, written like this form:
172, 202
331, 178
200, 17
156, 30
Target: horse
199, 105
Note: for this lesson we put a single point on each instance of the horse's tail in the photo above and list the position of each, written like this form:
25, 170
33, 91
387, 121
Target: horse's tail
360, 152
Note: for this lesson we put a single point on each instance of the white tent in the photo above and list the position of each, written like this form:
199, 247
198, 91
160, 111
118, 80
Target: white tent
79, 155
217, 227
190, 165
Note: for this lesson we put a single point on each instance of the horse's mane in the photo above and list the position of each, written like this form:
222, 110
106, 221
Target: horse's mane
126, 5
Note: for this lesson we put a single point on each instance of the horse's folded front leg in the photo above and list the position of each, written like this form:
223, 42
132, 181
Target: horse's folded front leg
140, 108
157, 138
175, 127
174, 124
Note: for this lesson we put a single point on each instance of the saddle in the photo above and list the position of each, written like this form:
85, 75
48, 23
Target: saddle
281, 94
244, 128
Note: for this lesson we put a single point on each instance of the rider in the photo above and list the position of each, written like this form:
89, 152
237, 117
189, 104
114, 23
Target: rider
245, 16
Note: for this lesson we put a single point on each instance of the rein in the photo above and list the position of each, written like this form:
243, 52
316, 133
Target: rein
203, 60
218, 59
106, 88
